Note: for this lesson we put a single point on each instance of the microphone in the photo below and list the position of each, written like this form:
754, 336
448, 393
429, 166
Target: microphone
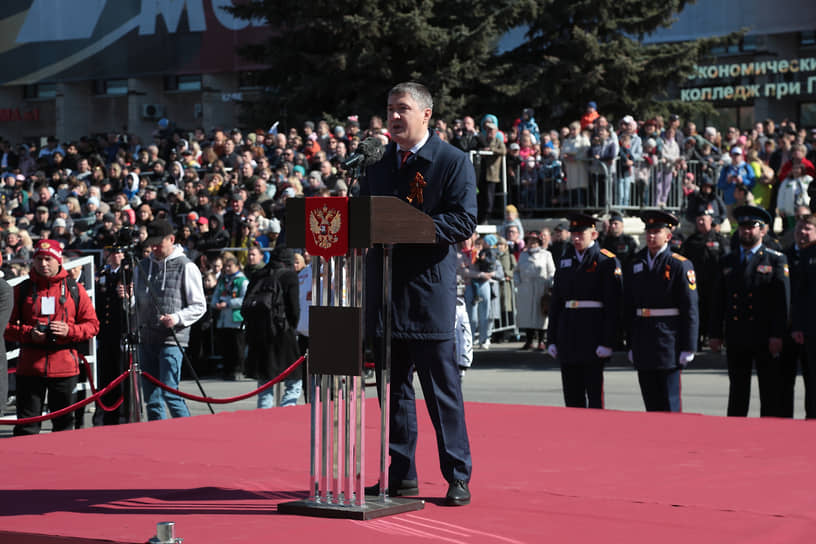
368, 152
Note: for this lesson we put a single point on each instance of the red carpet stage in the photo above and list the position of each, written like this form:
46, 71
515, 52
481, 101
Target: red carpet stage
540, 475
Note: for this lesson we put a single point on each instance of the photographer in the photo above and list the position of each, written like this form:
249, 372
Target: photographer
48, 322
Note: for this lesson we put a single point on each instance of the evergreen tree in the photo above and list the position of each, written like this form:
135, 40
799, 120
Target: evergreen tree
341, 57
338, 58
578, 51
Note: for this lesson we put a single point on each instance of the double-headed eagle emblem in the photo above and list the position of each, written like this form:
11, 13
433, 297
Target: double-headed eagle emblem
324, 224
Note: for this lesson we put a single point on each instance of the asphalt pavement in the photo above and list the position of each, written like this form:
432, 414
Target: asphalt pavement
507, 375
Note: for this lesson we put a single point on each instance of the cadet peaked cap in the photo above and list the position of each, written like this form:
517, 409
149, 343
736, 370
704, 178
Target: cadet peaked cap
752, 215
580, 221
656, 219
615, 216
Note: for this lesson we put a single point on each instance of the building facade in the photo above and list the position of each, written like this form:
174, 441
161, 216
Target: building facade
82, 67
771, 73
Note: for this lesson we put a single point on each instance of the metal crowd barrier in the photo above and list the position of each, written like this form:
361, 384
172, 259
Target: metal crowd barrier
547, 189
609, 186
500, 320
505, 321
502, 193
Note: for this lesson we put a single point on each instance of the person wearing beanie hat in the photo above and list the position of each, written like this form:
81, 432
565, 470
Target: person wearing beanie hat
590, 114
53, 314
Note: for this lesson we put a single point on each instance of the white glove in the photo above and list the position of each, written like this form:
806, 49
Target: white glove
602, 352
685, 358
629, 356
552, 350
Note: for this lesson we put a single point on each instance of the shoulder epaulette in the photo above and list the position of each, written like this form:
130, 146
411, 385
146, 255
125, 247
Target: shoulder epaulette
679, 257
608, 253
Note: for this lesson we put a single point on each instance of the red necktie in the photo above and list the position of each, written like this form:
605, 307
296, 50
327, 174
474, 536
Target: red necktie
405, 154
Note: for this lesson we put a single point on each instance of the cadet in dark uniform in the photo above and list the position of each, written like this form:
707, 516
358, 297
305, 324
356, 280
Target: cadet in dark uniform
705, 249
661, 313
111, 312
752, 306
793, 352
804, 318
622, 245
584, 311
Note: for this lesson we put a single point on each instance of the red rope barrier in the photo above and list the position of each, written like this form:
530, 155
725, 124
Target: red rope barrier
116, 404
110, 387
228, 400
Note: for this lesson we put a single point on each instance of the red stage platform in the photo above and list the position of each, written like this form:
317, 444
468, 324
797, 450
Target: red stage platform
540, 474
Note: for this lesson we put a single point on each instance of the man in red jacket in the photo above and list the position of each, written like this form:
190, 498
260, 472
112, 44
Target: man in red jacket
48, 324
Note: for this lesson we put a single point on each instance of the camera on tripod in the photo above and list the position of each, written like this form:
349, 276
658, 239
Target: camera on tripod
126, 239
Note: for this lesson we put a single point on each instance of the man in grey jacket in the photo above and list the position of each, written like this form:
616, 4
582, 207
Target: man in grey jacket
170, 298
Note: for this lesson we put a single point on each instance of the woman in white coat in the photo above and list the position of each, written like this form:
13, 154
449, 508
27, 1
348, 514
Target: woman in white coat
534, 277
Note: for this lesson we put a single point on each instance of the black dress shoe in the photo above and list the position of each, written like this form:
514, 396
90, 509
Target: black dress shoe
458, 494
405, 488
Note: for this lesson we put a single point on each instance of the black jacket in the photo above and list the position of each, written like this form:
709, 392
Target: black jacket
271, 356
752, 298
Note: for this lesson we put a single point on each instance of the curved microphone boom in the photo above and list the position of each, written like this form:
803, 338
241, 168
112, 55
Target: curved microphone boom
368, 152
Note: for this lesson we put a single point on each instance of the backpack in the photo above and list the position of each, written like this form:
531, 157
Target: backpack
264, 308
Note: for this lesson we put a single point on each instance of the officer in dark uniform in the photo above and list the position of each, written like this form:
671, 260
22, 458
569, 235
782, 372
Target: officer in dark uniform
769, 240
111, 312
793, 352
661, 314
622, 245
584, 311
560, 243
705, 249
804, 318
751, 306
677, 239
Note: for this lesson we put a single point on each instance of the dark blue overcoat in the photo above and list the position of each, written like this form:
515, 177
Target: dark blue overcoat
424, 276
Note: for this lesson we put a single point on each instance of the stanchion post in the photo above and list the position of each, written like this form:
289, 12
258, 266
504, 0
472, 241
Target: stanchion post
135, 406
385, 369
314, 449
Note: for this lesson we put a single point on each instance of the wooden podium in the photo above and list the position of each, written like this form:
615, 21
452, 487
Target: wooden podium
335, 360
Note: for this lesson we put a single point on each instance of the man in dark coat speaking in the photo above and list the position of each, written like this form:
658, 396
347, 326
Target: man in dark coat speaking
438, 179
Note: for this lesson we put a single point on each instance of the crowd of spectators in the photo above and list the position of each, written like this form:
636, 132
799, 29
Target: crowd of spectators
226, 190
638, 162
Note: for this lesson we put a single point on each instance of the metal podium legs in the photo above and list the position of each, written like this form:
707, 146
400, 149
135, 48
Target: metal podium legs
337, 392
